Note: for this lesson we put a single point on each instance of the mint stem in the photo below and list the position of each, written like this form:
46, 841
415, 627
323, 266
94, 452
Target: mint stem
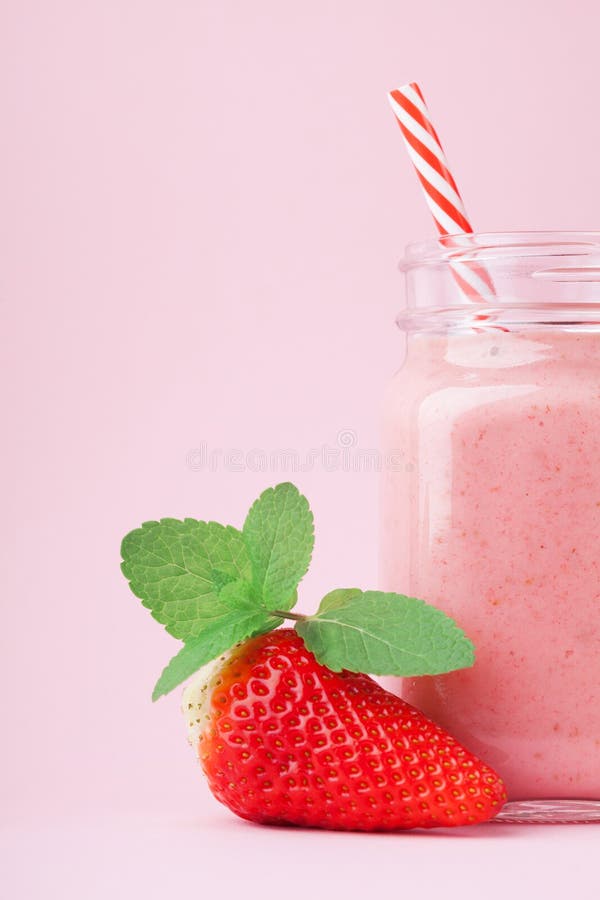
288, 615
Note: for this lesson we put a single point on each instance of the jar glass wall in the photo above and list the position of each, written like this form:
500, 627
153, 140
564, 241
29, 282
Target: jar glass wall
491, 509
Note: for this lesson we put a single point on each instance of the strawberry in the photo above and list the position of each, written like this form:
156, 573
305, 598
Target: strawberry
287, 729
285, 740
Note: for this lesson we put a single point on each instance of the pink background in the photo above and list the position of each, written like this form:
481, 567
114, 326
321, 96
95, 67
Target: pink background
202, 208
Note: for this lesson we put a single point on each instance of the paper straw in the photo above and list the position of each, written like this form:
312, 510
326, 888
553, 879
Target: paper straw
439, 187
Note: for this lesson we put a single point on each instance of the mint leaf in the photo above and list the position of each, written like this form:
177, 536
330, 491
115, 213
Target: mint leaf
279, 535
336, 599
384, 634
238, 595
242, 619
177, 569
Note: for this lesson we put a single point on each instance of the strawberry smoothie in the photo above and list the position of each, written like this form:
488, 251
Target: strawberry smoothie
491, 511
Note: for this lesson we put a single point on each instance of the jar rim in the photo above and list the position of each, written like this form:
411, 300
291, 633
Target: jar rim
496, 245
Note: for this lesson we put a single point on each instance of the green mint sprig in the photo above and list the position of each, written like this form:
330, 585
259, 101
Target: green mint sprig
213, 586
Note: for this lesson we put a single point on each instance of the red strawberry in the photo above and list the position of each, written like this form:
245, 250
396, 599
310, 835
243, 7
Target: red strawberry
283, 739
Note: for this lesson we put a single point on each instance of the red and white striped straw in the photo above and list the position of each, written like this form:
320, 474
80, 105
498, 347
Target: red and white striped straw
439, 187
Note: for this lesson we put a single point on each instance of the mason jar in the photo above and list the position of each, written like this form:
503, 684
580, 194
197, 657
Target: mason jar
491, 508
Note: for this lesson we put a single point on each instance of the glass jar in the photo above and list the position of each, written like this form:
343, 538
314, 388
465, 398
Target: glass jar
491, 508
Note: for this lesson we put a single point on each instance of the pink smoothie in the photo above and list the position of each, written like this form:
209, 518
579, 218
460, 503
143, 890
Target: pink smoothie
491, 511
